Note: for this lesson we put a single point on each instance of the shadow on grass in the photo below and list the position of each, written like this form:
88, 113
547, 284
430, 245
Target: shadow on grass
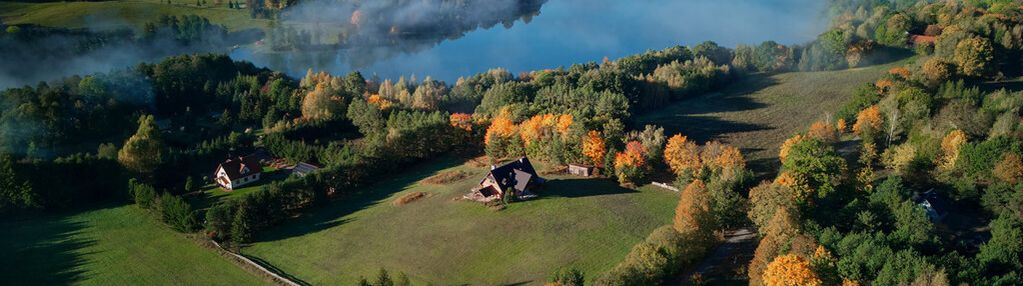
42, 251
578, 188
333, 214
689, 116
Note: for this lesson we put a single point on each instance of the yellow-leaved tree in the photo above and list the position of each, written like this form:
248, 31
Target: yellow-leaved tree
790, 270
950, 146
594, 147
683, 156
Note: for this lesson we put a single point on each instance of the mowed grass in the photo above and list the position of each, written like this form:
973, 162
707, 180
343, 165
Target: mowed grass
109, 246
120, 14
589, 224
757, 114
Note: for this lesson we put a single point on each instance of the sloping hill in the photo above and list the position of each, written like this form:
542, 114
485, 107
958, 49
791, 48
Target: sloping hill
109, 246
757, 114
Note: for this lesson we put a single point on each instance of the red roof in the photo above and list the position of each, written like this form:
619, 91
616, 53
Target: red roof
921, 39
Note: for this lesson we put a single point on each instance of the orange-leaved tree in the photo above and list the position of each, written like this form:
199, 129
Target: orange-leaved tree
1010, 169
823, 131
692, 215
502, 138
630, 165
461, 121
790, 270
683, 156
868, 123
594, 147
786, 147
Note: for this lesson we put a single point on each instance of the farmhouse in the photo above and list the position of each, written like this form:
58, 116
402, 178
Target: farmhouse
518, 177
238, 172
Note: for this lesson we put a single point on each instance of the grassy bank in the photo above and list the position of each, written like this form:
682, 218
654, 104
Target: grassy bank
109, 246
118, 14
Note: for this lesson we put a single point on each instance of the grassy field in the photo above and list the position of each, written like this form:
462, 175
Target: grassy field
588, 224
757, 114
118, 14
109, 246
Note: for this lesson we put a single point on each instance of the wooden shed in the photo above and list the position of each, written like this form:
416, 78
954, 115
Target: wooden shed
581, 170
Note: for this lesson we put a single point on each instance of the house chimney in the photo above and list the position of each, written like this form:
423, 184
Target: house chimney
492, 167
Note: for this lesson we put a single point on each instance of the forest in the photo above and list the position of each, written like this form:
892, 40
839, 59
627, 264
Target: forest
943, 128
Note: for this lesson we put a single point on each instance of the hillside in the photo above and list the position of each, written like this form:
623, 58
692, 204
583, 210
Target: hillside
588, 224
109, 246
758, 113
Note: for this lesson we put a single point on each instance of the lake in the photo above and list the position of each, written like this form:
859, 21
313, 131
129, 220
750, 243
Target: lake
572, 31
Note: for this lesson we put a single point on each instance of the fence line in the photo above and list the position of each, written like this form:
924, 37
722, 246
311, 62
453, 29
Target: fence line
276, 277
666, 186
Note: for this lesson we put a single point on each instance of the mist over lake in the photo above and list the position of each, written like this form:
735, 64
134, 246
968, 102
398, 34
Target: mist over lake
566, 32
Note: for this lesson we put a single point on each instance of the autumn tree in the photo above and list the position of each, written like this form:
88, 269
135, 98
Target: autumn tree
790, 270
630, 165
321, 104
779, 231
143, 151
683, 157
823, 131
869, 123
594, 148
501, 137
767, 198
1010, 169
973, 56
692, 215
786, 147
937, 71
461, 121
950, 147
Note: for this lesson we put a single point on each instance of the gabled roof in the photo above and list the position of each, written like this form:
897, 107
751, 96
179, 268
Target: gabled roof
303, 168
241, 167
515, 174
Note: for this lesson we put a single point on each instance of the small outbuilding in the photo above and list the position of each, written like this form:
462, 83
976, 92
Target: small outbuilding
302, 169
581, 170
237, 172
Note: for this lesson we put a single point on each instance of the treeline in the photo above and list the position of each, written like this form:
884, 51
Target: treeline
35, 53
949, 148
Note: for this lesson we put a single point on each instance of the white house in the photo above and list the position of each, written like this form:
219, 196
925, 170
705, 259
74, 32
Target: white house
238, 172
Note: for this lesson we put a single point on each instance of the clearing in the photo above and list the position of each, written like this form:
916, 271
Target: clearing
109, 246
586, 223
117, 14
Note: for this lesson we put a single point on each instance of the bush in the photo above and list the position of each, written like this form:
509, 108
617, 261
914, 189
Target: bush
567, 277
176, 212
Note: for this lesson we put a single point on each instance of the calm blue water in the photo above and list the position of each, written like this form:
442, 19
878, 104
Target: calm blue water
575, 31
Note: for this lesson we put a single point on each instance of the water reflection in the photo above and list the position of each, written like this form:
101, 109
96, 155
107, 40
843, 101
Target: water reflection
559, 33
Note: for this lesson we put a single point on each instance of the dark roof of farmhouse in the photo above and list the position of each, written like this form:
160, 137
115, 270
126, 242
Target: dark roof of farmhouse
234, 166
515, 174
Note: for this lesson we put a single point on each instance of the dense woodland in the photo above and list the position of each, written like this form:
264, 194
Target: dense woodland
152, 133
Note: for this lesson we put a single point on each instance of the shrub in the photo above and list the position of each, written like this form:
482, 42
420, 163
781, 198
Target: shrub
566, 277
176, 212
